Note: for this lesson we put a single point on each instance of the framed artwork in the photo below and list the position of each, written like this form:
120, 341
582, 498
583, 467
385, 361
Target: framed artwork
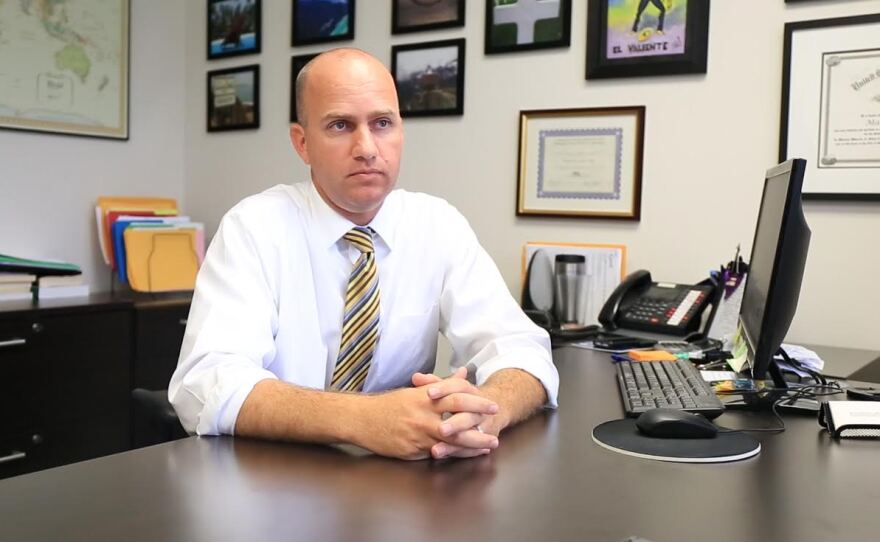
634, 38
297, 63
524, 25
418, 15
321, 21
233, 28
65, 71
831, 105
581, 162
234, 99
429, 77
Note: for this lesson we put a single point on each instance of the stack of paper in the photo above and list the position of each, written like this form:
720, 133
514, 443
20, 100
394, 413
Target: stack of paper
148, 245
58, 287
15, 286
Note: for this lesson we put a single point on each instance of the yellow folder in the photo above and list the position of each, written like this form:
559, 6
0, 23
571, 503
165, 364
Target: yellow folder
161, 259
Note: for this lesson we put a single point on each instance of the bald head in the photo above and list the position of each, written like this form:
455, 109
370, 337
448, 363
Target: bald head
345, 65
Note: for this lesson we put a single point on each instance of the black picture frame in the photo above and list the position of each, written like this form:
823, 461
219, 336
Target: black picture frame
297, 62
695, 45
250, 21
841, 186
298, 35
497, 40
217, 118
408, 91
399, 24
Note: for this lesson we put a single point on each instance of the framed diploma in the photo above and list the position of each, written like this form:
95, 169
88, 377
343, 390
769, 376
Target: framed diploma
581, 162
831, 105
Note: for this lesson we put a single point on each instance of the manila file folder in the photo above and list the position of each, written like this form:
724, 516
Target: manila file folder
161, 260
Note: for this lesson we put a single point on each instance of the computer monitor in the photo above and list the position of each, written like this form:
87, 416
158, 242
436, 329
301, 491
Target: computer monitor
776, 268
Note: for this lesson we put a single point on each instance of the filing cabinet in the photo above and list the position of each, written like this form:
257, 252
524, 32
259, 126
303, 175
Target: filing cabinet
64, 384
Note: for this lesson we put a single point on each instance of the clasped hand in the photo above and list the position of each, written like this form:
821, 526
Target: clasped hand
437, 418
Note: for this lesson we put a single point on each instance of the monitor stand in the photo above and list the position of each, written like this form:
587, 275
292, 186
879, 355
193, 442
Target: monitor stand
762, 400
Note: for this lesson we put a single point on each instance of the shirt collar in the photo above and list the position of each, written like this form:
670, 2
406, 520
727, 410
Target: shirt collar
331, 226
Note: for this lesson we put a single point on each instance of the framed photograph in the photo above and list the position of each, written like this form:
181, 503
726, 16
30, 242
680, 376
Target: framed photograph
297, 62
234, 99
418, 15
429, 78
233, 28
634, 38
831, 105
321, 21
581, 162
65, 71
525, 25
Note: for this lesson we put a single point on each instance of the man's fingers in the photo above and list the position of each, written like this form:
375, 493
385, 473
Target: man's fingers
423, 379
457, 423
465, 402
449, 386
472, 439
443, 450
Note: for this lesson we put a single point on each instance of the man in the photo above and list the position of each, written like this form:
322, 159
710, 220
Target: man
661, 17
314, 297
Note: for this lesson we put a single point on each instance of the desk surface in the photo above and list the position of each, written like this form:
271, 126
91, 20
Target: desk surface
547, 481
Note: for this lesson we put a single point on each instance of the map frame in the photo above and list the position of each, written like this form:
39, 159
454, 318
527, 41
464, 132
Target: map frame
120, 132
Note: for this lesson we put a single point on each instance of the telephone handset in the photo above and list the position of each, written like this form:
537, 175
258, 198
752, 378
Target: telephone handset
642, 305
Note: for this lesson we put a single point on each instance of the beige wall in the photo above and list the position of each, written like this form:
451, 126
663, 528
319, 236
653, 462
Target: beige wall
49, 183
709, 138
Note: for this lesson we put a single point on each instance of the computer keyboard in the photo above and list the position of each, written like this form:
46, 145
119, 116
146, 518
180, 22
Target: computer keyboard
665, 384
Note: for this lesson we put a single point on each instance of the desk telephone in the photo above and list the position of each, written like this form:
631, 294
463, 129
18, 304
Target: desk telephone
657, 307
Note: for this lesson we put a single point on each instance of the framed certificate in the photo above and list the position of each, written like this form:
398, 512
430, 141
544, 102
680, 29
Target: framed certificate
581, 162
831, 105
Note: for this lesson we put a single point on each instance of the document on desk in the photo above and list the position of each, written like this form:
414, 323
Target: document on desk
605, 266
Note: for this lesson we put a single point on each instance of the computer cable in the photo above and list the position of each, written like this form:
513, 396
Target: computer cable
809, 391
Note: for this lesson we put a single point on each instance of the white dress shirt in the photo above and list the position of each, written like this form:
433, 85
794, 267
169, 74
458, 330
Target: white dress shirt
268, 303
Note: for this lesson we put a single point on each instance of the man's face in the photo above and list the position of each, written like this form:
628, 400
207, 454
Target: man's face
353, 135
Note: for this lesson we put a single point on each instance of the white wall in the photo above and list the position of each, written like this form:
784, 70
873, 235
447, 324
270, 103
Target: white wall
708, 141
49, 183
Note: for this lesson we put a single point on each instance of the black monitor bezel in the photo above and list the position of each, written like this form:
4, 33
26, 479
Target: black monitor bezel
758, 358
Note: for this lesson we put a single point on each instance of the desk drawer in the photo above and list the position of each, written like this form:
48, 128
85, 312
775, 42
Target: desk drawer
21, 452
23, 389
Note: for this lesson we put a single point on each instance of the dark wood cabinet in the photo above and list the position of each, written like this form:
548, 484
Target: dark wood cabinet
67, 369
159, 328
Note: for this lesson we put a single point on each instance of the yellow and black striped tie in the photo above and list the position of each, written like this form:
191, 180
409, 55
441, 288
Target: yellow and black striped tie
360, 324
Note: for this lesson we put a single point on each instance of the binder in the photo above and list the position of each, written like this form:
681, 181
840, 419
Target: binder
161, 259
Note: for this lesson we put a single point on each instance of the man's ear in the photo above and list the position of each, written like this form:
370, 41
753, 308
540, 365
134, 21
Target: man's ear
298, 139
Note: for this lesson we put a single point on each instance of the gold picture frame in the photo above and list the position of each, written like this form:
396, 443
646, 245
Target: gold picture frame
581, 162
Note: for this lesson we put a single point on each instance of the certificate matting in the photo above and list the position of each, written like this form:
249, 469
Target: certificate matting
581, 162
828, 108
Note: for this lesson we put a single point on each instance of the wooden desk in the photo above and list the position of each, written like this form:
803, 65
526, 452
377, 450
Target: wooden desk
548, 481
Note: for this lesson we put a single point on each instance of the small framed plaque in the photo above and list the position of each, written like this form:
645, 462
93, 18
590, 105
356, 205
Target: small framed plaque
581, 162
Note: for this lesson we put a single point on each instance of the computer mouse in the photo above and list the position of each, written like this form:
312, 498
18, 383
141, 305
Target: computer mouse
673, 423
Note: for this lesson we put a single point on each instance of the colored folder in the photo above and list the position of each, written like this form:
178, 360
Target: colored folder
161, 259
106, 204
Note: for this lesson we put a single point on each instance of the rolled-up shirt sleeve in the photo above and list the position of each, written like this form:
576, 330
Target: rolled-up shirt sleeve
229, 334
484, 324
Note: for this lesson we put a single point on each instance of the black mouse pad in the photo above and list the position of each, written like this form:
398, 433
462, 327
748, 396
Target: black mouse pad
623, 436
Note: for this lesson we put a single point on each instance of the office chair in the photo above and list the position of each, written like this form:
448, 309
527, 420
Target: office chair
153, 418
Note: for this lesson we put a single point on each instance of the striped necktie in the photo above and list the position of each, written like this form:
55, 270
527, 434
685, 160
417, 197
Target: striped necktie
360, 323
